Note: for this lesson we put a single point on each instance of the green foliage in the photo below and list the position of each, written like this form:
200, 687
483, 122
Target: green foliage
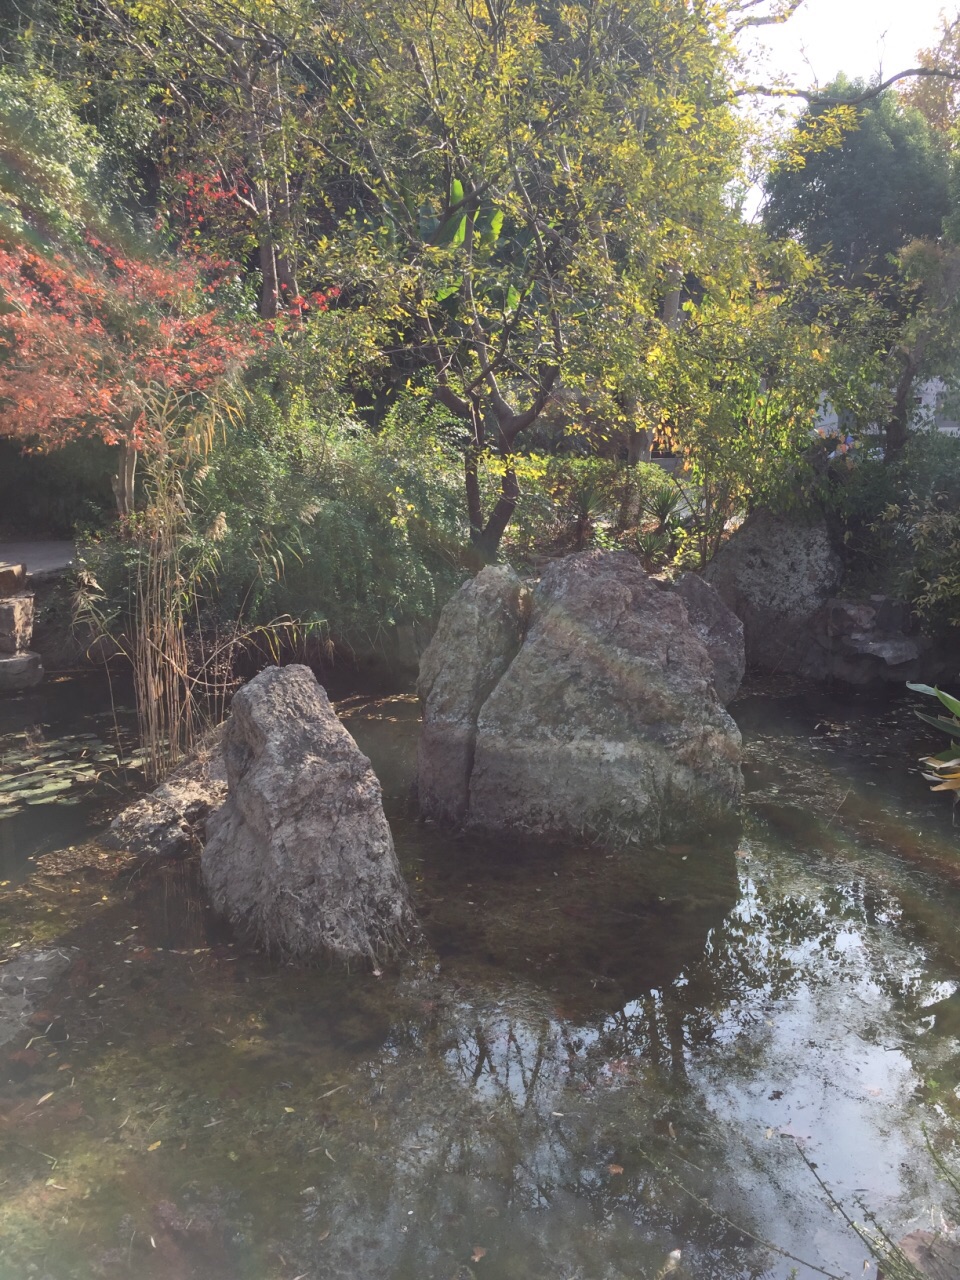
570, 503
51, 164
739, 385
883, 183
320, 521
899, 524
944, 769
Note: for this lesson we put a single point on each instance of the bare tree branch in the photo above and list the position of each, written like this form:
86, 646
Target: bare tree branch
817, 99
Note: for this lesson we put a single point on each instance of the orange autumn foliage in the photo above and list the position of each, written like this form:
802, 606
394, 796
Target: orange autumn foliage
84, 338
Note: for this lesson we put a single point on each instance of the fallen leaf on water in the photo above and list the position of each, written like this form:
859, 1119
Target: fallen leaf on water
615, 1168
153, 1145
478, 1253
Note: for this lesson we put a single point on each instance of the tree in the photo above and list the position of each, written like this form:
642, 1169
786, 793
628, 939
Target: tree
518, 183
92, 344
873, 205
739, 382
937, 98
229, 124
857, 203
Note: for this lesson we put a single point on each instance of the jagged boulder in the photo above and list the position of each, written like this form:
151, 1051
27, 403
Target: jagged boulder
720, 630
606, 723
776, 573
301, 855
483, 626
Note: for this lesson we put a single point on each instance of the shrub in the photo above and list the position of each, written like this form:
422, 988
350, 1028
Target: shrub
898, 524
317, 520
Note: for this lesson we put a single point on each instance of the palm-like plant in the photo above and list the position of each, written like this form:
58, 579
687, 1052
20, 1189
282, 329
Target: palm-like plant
945, 767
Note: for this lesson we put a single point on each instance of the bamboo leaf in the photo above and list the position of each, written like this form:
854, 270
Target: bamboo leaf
952, 704
945, 726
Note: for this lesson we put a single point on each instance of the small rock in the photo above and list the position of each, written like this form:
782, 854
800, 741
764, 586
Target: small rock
12, 578
169, 822
934, 1257
19, 671
776, 573
16, 623
25, 981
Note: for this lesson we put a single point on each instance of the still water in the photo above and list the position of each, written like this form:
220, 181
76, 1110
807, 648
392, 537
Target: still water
605, 1067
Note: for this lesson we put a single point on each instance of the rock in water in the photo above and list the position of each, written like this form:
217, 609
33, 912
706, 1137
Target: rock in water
301, 854
169, 822
477, 638
606, 723
720, 630
776, 573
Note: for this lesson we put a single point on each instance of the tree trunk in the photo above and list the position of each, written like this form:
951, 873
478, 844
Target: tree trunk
639, 445
270, 284
486, 535
123, 482
898, 424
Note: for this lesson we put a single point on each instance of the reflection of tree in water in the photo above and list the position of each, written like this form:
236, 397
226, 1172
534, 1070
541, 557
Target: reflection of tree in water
510, 1119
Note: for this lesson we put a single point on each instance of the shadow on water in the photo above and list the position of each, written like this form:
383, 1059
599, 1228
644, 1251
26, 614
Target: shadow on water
600, 1058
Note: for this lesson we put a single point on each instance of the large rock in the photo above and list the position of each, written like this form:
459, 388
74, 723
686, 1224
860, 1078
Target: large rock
720, 630
606, 724
170, 821
775, 574
482, 625
301, 854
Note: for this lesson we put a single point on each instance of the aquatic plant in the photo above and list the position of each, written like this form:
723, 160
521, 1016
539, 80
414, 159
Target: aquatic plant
945, 767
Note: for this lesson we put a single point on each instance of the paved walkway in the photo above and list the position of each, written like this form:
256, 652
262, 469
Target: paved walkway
38, 556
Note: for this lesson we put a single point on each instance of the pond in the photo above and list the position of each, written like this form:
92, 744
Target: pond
607, 1066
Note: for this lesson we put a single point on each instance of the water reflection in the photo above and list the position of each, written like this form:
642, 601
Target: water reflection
603, 1060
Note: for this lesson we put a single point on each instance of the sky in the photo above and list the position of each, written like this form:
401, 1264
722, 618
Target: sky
860, 37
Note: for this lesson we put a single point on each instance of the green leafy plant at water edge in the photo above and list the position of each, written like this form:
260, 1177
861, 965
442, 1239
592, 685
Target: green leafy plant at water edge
945, 767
